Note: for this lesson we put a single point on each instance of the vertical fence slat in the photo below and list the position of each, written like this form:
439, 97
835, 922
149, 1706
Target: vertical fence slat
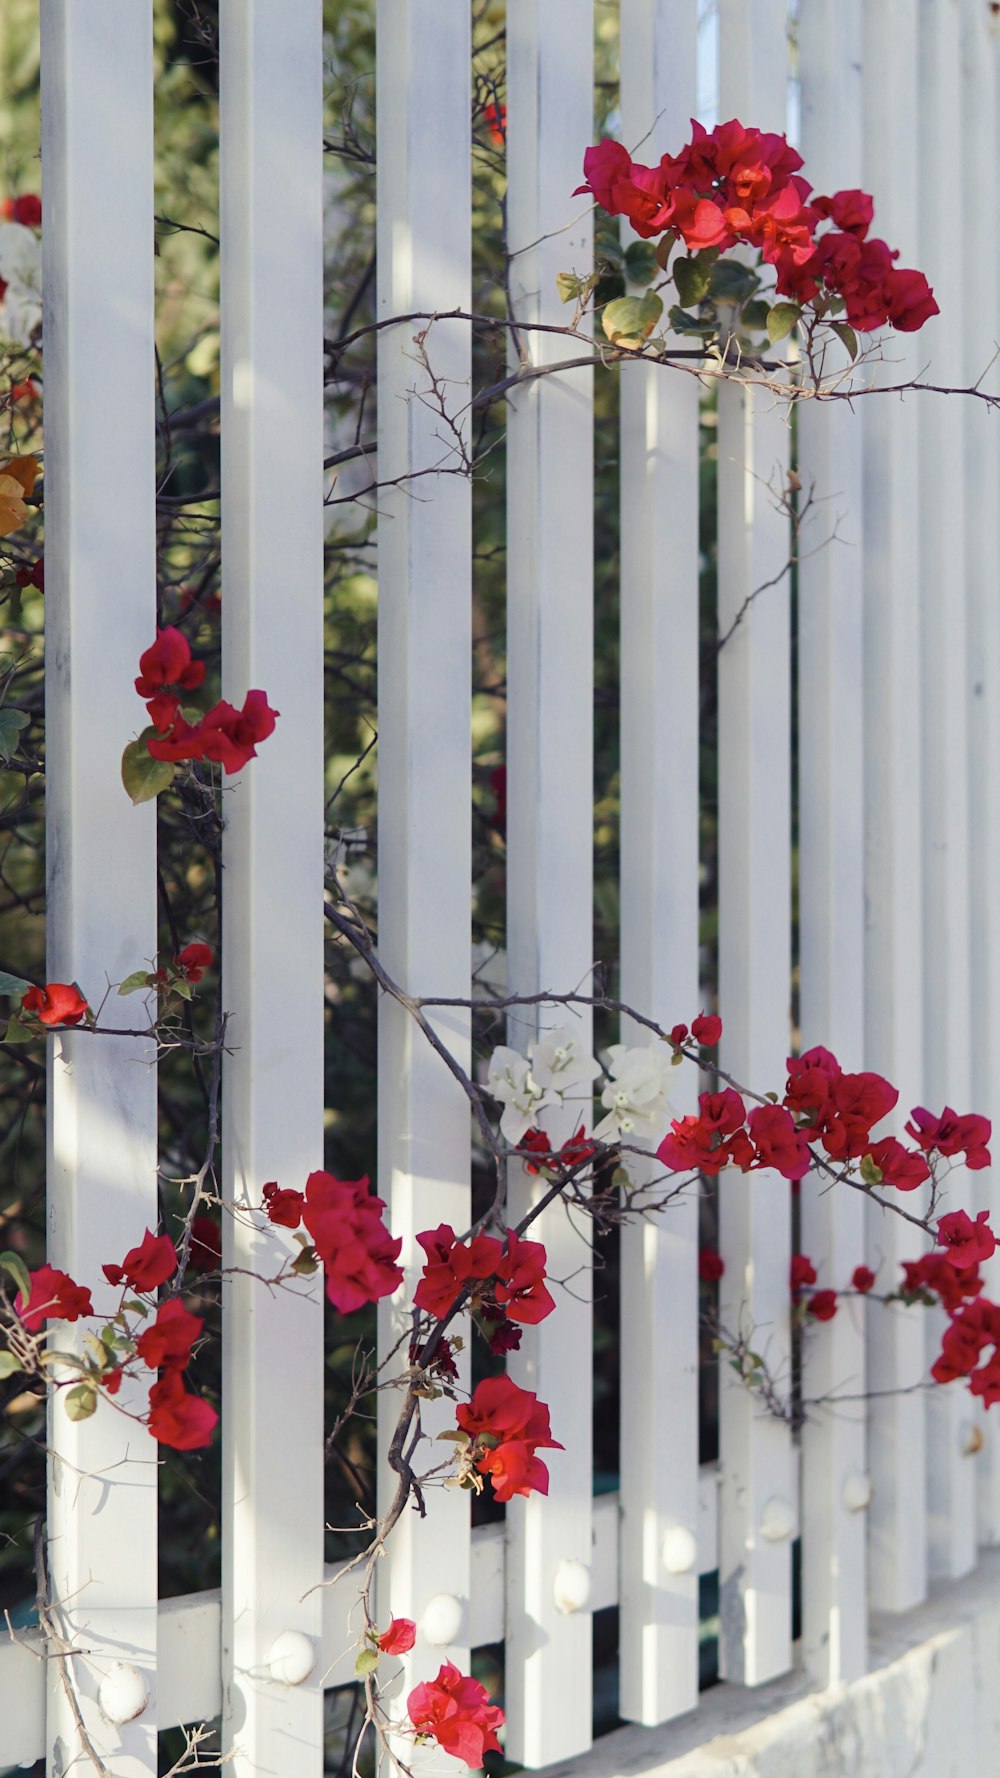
831, 899
980, 274
549, 869
424, 551
893, 856
97, 74
758, 1484
945, 700
658, 1605
272, 493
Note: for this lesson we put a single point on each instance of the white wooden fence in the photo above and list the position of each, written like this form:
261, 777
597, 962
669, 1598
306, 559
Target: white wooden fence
898, 701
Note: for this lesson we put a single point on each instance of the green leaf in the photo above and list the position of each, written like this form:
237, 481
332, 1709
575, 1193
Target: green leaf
18, 1031
664, 248
15, 1268
682, 322
630, 319
692, 278
847, 337
732, 282
366, 1662
140, 978
754, 314
781, 321
134, 1307
81, 1401
142, 775
640, 261
12, 986
870, 1173
11, 724
608, 247
9, 1366
568, 285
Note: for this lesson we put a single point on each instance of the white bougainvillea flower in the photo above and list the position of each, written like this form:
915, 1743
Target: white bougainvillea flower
21, 271
635, 1097
559, 1061
511, 1082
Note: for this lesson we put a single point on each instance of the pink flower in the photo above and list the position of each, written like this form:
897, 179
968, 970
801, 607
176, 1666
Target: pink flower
399, 1638
456, 1712
967, 1243
357, 1250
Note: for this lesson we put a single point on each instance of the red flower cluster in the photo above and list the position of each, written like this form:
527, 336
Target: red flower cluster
573, 1153
177, 1418
192, 961
711, 1265
167, 1344
58, 1003
950, 1134
27, 210
54, 1297
706, 1029
495, 119
735, 184
205, 1252
506, 1425
457, 1713
147, 1266
345, 1223
517, 1271
226, 735
35, 575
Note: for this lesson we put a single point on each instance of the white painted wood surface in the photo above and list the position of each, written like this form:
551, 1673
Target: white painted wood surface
894, 856
550, 819
754, 775
658, 1614
272, 493
101, 613
424, 549
831, 901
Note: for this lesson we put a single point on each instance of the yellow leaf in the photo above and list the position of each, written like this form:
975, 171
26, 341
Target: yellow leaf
17, 479
23, 470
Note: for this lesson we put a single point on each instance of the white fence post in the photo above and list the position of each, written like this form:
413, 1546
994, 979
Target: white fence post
758, 1503
424, 822
893, 853
658, 1603
97, 75
550, 819
831, 892
272, 511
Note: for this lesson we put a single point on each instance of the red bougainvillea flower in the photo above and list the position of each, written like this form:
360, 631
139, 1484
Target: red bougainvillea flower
27, 210
520, 1289
778, 1143
803, 1272
177, 1418
33, 576
950, 1134
495, 119
182, 740
357, 1250
712, 1140
851, 211
399, 1638
706, 1029
229, 735
205, 1252
574, 1152
456, 1712
168, 662
899, 1166
147, 1266
858, 1102
934, 1275
711, 1265
822, 1305
863, 1280
168, 1343
193, 961
283, 1207
450, 1264
519, 1423
967, 1243
58, 1003
54, 1297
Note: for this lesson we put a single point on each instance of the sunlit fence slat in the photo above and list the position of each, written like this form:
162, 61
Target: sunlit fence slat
893, 853
658, 1611
272, 494
758, 1504
424, 550
549, 755
831, 904
97, 74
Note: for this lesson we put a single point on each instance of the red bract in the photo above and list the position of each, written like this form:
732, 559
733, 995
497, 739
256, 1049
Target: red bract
181, 741
450, 1264
862, 1279
457, 1713
711, 1265
520, 1289
950, 1134
27, 210
357, 1250
778, 1143
803, 1272
898, 1165
58, 1003
168, 1342
967, 1243
822, 1305
147, 1266
858, 1101
54, 1297
205, 1252
851, 211
168, 662
193, 961
399, 1638
574, 1152
176, 1418
935, 1275
712, 1140
495, 119
229, 736
706, 1029
519, 1422
283, 1207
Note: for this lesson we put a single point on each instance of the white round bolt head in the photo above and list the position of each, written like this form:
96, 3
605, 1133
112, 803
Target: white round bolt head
777, 1521
292, 1657
680, 1549
857, 1492
124, 1693
441, 1620
571, 1586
